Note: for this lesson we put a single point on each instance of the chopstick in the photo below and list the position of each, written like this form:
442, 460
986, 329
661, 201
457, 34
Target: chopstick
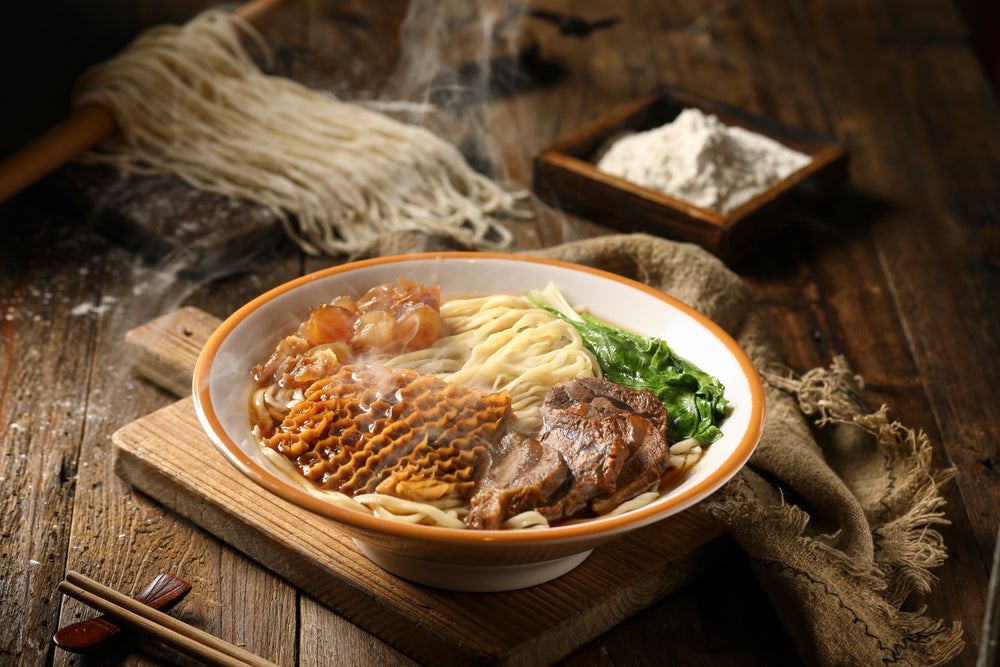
82, 129
180, 636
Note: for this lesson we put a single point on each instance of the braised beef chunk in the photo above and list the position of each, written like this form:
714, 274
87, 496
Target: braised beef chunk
525, 477
642, 471
600, 444
613, 459
595, 449
595, 398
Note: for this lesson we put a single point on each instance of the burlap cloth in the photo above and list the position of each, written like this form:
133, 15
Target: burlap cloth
837, 507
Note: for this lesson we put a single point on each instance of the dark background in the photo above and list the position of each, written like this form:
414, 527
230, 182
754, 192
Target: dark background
44, 45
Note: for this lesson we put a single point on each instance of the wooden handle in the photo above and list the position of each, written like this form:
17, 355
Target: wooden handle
257, 10
82, 129
95, 634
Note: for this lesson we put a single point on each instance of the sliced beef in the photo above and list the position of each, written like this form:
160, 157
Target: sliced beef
643, 469
524, 477
595, 449
595, 398
600, 444
613, 459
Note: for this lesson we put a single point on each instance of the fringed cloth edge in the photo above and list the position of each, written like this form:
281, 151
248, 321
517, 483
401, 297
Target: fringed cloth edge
817, 587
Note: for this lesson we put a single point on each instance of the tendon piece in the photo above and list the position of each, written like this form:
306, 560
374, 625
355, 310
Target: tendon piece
370, 429
317, 363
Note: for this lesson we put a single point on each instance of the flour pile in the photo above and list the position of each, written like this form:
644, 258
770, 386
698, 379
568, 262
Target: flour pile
700, 160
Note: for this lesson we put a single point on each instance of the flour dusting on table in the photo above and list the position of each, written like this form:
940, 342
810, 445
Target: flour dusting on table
699, 159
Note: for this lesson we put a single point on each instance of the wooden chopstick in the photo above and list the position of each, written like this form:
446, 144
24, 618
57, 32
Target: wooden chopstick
81, 130
180, 636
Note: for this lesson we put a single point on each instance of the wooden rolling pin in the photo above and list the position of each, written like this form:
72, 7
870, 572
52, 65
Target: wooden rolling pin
85, 126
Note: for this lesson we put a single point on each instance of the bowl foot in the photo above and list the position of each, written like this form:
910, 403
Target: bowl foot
470, 578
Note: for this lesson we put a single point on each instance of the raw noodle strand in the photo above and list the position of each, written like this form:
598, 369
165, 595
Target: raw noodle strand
190, 101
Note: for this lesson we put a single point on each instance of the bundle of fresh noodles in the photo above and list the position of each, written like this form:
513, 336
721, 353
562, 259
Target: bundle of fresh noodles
190, 101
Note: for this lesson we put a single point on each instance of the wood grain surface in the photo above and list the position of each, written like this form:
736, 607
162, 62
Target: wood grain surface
899, 273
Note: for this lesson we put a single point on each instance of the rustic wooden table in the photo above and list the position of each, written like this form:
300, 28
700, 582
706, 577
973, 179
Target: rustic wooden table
900, 273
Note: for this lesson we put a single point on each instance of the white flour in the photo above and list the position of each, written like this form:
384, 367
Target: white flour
700, 160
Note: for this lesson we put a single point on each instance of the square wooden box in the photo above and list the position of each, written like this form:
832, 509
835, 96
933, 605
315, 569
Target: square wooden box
565, 176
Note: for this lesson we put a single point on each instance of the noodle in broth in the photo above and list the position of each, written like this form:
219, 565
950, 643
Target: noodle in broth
493, 344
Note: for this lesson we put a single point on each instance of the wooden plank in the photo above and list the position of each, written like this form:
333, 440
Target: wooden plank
893, 79
861, 287
919, 334
121, 537
863, 277
167, 456
161, 216
165, 350
40, 431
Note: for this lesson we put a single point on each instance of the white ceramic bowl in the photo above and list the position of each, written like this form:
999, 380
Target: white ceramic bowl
477, 560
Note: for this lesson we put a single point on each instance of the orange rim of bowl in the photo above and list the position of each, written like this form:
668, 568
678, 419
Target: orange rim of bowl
568, 532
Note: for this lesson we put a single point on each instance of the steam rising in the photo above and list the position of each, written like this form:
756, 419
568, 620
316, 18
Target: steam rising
447, 71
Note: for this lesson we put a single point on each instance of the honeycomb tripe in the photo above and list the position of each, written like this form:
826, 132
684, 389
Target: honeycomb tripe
371, 429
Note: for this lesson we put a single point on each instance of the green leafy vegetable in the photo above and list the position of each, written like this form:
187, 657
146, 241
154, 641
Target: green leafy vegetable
693, 398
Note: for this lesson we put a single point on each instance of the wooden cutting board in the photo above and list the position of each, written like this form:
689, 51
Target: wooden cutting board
167, 456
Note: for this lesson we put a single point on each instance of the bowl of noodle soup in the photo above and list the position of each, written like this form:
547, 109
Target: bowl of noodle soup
431, 545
